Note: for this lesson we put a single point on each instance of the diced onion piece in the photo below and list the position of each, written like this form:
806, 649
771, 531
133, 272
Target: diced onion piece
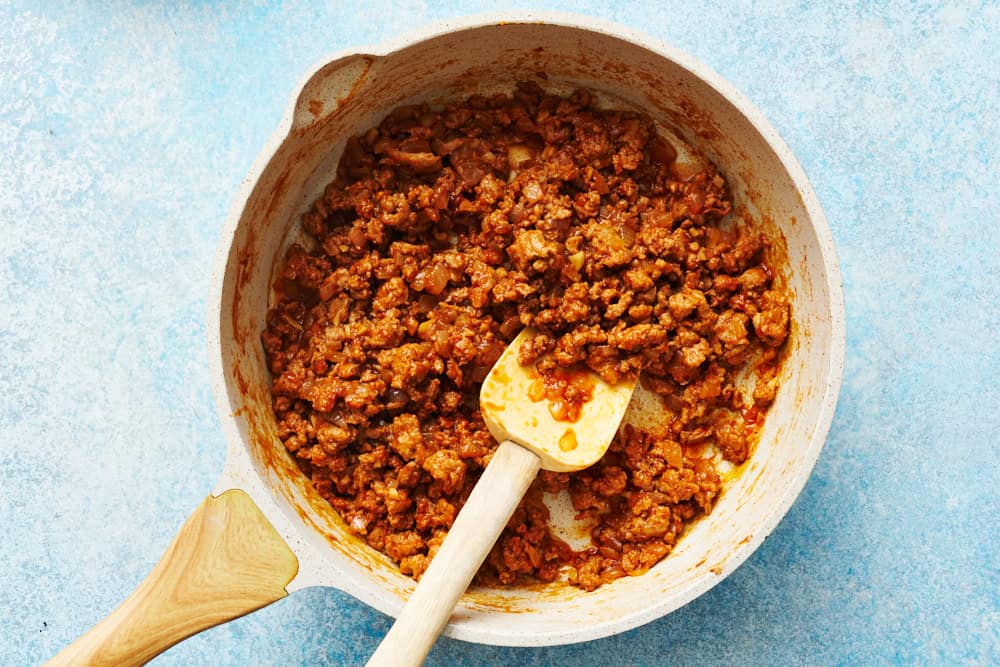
518, 154
686, 168
661, 151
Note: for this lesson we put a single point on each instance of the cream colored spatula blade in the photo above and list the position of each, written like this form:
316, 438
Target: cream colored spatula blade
509, 407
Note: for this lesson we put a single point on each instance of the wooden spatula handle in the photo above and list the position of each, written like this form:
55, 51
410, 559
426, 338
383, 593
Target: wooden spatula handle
226, 561
484, 515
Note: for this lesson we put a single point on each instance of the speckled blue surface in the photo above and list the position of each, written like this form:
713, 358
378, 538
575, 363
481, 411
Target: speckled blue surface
125, 129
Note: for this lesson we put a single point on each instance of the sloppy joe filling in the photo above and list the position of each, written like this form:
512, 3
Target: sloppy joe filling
447, 230
566, 390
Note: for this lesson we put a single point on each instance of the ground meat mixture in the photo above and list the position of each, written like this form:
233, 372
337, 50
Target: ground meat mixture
449, 229
566, 390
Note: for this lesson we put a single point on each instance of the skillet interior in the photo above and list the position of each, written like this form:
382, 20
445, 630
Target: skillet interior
353, 93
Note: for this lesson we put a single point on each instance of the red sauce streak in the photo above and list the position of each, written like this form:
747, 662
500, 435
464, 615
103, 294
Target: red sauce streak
752, 418
566, 389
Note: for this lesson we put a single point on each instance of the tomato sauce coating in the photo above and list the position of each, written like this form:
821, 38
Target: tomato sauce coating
447, 230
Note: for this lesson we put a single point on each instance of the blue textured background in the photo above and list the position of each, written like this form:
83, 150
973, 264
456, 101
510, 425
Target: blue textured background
125, 129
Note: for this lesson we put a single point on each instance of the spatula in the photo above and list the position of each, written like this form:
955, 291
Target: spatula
520, 408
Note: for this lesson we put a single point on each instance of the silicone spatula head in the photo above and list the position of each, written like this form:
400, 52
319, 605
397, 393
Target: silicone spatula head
565, 431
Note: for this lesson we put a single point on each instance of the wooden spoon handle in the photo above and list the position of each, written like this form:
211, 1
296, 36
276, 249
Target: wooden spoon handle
226, 561
486, 512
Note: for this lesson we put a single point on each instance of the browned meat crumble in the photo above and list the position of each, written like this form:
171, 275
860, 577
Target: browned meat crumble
448, 230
